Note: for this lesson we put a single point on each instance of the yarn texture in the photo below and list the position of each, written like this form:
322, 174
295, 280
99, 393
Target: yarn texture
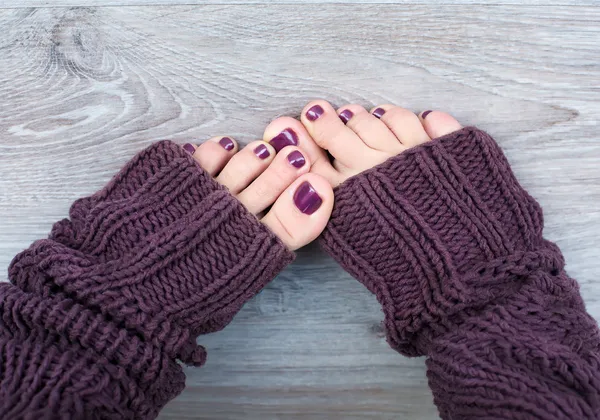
98, 314
452, 247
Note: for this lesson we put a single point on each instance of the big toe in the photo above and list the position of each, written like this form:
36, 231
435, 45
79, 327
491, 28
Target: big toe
300, 214
438, 124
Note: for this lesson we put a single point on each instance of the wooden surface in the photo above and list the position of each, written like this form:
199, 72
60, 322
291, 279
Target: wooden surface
430, 3
82, 89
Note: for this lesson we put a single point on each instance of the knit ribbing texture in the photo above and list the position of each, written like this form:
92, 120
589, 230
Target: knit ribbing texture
99, 312
452, 247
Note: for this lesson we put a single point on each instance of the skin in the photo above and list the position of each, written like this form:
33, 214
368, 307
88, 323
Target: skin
266, 180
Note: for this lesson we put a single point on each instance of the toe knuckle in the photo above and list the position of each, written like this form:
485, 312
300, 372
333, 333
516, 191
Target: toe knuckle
261, 191
264, 189
398, 112
360, 124
322, 138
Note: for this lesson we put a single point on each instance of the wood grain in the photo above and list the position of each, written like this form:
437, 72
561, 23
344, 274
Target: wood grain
82, 89
430, 3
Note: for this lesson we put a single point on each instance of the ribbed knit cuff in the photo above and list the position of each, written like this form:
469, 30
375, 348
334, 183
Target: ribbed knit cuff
163, 250
438, 230
54, 352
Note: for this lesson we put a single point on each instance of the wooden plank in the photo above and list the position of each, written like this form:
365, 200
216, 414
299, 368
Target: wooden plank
430, 3
81, 90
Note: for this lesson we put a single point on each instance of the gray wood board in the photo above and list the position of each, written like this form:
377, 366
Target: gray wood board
82, 89
430, 3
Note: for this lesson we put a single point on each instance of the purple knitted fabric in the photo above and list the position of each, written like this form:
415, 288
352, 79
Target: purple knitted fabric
452, 246
98, 314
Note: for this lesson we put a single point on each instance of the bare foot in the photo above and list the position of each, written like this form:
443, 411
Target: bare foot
276, 187
356, 138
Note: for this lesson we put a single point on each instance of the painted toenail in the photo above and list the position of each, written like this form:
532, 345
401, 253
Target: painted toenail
287, 137
314, 112
306, 198
261, 151
227, 143
379, 112
424, 114
345, 115
296, 159
189, 148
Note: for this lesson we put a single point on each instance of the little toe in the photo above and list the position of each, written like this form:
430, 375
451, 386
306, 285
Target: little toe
286, 167
329, 132
370, 129
213, 154
438, 124
403, 123
301, 212
246, 166
287, 131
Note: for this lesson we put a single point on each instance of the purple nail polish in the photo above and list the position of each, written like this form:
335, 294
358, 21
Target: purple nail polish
262, 151
227, 143
379, 112
424, 114
306, 199
345, 115
287, 137
296, 159
314, 112
189, 148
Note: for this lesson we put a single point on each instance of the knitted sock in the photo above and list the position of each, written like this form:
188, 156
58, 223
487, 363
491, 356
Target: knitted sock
122, 288
452, 246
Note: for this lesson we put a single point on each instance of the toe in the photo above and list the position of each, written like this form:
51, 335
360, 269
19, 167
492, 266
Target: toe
329, 132
438, 124
286, 131
370, 129
246, 166
213, 155
287, 166
403, 123
301, 212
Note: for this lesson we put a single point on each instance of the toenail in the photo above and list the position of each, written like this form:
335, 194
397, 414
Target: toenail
227, 143
261, 151
296, 159
379, 112
314, 112
424, 114
287, 137
345, 115
189, 148
306, 198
